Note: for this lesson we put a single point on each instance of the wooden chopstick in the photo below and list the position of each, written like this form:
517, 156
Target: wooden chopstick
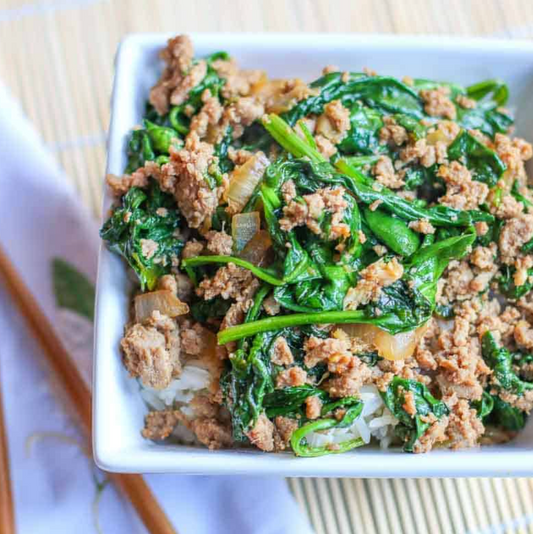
79, 395
7, 511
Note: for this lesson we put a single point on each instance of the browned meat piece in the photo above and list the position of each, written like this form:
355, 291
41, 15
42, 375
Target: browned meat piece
159, 425
230, 282
376, 276
437, 103
184, 177
151, 351
313, 407
294, 376
385, 174
262, 434
219, 243
285, 426
212, 433
464, 427
281, 353
179, 76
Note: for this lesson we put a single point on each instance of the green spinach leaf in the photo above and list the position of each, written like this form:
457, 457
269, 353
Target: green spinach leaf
137, 223
412, 427
483, 162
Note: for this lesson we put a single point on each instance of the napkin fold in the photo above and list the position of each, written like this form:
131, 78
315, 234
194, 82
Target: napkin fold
52, 241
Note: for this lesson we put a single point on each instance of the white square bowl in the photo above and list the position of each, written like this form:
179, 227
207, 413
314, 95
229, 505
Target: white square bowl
118, 409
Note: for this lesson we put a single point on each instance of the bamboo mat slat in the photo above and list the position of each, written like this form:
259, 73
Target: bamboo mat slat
56, 56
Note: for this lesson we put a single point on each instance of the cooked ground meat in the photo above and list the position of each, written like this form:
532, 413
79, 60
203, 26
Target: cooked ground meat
325, 146
409, 403
262, 434
386, 175
516, 232
435, 434
230, 282
193, 340
212, 433
152, 351
309, 212
206, 121
422, 226
461, 369
271, 306
376, 276
425, 154
285, 426
179, 284
242, 113
192, 248
461, 191
120, 185
513, 153
334, 122
293, 376
148, 248
178, 57
318, 350
159, 425
391, 132
523, 334
464, 427
184, 177
281, 352
238, 82
349, 382
437, 102
219, 243
313, 407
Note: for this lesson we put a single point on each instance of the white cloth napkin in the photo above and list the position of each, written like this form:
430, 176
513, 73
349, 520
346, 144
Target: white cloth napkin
56, 487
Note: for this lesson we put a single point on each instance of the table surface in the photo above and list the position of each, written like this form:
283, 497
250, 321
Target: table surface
47, 49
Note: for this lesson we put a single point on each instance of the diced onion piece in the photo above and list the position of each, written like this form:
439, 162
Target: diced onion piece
388, 346
438, 135
257, 249
163, 300
325, 128
261, 81
243, 180
243, 228
280, 95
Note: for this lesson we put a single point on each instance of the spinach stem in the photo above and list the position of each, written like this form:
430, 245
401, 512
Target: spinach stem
296, 319
257, 271
290, 140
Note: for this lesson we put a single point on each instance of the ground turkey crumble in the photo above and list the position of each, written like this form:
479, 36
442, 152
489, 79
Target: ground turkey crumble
462, 192
376, 276
177, 79
184, 177
219, 243
386, 175
437, 103
151, 351
230, 282
332, 126
159, 425
262, 434
392, 133
310, 209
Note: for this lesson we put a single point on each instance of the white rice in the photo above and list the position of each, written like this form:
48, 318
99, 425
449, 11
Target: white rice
193, 378
375, 421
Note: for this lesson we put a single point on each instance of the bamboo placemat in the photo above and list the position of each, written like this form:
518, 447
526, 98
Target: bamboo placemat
56, 56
